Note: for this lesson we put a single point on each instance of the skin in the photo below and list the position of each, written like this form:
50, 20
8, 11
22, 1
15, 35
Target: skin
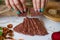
42, 3
34, 5
38, 2
16, 4
23, 3
20, 4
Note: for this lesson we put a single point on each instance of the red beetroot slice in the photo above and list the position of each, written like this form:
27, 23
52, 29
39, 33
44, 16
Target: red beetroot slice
30, 32
23, 28
26, 26
33, 13
37, 28
38, 25
41, 27
18, 28
32, 27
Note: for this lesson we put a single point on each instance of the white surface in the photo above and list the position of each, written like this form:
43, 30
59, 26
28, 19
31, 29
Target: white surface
51, 27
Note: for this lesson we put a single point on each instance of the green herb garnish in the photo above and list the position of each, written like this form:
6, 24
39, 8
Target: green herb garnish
1, 31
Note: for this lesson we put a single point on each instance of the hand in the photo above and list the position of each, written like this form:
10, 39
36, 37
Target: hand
38, 5
18, 5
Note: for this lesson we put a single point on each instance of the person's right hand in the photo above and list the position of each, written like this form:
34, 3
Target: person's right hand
18, 5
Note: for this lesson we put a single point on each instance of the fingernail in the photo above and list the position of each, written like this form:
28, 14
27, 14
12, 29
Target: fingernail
18, 12
41, 10
12, 9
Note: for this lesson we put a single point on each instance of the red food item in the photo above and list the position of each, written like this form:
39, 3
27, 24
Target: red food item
41, 27
25, 26
56, 36
17, 28
31, 26
30, 29
33, 13
36, 26
28, 26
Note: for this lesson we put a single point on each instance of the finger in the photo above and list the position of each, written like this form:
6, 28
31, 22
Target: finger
42, 5
18, 5
8, 4
13, 5
24, 5
34, 5
38, 2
